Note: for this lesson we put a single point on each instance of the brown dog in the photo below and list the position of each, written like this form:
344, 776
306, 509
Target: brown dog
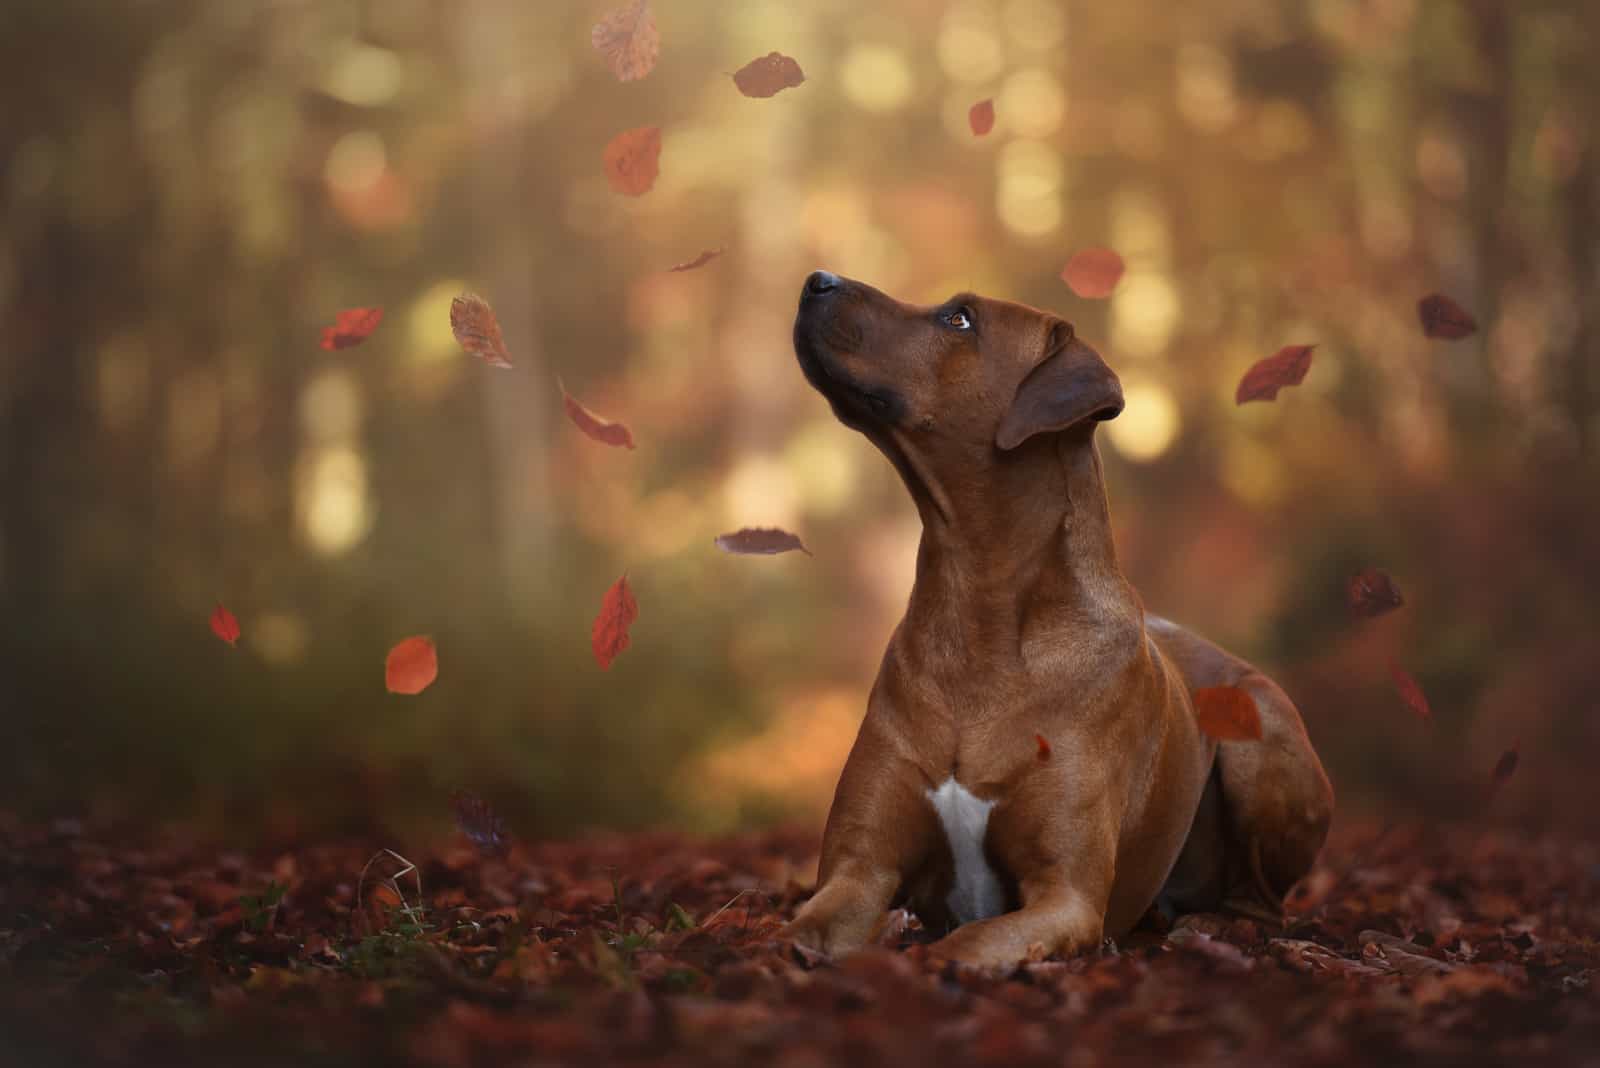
1021, 625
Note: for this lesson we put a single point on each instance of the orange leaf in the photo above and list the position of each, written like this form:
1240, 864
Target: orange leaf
981, 117
224, 626
699, 261
1092, 273
618, 610
1444, 318
1227, 714
1372, 593
351, 327
633, 159
768, 76
1286, 367
473, 323
411, 666
602, 430
762, 541
1044, 747
628, 40
1410, 692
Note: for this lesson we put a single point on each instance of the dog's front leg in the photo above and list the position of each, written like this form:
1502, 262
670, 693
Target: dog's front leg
1064, 921
879, 831
1064, 875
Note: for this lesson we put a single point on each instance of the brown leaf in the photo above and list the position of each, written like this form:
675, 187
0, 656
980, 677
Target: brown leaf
1372, 593
633, 159
1286, 367
981, 117
628, 40
618, 610
699, 261
476, 819
1444, 318
890, 928
224, 625
411, 666
1227, 714
1226, 954
351, 327
602, 430
1506, 766
1410, 692
1407, 958
1044, 747
760, 541
768, 76
1092, 273
476, 329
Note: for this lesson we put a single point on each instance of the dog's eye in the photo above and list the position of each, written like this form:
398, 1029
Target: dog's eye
959, 319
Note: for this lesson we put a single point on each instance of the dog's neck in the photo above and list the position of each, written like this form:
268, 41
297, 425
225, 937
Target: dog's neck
1026, 551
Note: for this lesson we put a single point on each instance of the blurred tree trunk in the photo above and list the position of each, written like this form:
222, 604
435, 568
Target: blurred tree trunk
1493, 25
1575, 384
516, 402
39, 476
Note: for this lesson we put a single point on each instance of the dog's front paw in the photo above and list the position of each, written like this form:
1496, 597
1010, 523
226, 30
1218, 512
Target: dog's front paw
984, 951
828, 931
809, 941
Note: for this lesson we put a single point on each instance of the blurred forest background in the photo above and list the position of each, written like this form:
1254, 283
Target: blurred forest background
191, 189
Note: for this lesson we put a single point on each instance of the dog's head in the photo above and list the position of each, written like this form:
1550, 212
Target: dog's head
954, 385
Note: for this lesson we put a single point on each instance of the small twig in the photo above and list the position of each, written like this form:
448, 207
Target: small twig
748, 890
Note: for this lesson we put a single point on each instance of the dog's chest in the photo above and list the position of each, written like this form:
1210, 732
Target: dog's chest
975, 891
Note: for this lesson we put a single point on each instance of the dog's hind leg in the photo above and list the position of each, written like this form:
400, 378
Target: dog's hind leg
1277, 802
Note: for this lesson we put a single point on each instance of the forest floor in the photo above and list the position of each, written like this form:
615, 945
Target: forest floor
1405, 945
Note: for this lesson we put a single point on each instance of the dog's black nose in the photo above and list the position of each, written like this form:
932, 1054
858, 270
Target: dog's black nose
821, 282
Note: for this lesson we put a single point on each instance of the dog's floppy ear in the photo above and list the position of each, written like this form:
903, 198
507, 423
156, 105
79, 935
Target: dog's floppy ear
1069, 385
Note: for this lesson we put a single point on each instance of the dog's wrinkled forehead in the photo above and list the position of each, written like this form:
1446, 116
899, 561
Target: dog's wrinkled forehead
1024, 332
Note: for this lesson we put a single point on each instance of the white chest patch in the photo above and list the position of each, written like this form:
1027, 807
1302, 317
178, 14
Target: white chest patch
975, 893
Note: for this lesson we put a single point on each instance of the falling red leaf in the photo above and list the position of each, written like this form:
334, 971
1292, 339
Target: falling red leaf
981, 117
1444, 318
224, 626
768, 76
618, 610
1092, 273
633, 159
411, 666
600, 429
1372, 593
351, 327
477, 330
1505, 767
761, 541
628, 40
1410, 692
1227, 713
699, 261
1286, 367
476, 819
1044, 747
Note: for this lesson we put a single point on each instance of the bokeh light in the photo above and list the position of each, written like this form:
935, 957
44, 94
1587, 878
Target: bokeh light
877, 77
1028, 188
1149, 421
